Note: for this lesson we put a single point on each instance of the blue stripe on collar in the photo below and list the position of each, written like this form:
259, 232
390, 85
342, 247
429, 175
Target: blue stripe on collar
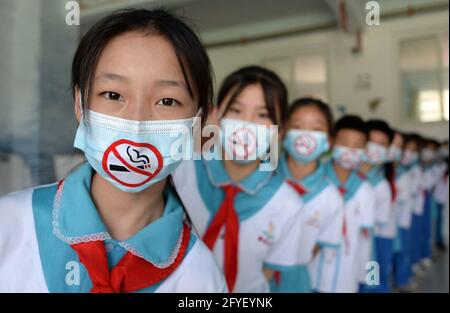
314, 183
259, 188
251, 184
375, 175
76, 219
352, 184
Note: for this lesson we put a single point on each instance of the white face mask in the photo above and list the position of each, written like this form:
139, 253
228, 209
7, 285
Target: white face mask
427, 155
348, 158
305, 145
394, 154
243, 141
409, 158
133, 155
376, 153
443, 151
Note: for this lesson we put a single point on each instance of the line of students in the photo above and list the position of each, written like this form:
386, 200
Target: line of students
343, 194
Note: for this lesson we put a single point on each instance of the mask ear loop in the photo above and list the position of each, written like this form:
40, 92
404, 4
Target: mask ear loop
196, 129
81, 102
197, 117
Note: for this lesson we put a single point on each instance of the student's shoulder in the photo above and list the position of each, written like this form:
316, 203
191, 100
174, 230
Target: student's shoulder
199, 271
15, 201
384, 186
15, 205
365, 190
365, 186
331, 195
287, 198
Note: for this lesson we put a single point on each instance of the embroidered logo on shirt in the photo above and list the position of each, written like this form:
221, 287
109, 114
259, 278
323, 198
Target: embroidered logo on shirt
314, 221
267, 235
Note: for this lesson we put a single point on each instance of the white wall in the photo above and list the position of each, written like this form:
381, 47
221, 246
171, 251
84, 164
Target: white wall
379, 58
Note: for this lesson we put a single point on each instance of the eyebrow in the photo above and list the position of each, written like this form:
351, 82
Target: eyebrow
111, 76
262, 106
172, 83
160, 82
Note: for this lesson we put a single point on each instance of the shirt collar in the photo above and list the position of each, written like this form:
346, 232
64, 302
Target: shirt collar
313, 183
76, 220
350, 186
219, 177
375, 175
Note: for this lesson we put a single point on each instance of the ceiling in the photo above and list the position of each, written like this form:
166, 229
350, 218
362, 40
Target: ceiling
228, 21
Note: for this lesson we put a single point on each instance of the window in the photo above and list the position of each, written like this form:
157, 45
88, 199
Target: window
424, 78
305, 75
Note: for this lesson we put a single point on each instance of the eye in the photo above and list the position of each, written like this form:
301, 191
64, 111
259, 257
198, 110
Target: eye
263, 115
234, 110
111, 95
168, 102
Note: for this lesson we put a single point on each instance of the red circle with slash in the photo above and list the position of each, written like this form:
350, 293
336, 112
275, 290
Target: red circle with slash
305, 144
120, 166
238, 142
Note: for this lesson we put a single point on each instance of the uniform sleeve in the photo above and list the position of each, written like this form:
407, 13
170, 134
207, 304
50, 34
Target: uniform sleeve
441, 191
367, 204
198, 273
427, 177
285, 250
404, 202
383, 203
20, 262
330, 234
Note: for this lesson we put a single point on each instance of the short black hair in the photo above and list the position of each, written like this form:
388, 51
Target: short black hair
319, 104
275, 92
398, 132
352, 122
413, 137
190, 52
382, 126
433, 142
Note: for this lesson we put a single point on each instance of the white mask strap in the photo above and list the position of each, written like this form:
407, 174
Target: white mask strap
81, 102
197, 116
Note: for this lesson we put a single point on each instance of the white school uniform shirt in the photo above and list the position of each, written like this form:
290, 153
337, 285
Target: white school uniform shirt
269, 212
441, 191
427, 177
39, 225
405, 202
385, 219
359, 213
419, 183
438, 169
322, 215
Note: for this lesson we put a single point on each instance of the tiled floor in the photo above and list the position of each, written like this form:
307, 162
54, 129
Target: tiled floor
436, 279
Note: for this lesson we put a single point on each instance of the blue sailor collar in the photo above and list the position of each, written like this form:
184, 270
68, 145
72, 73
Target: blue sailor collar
400, 170
219, 177
375, 175
313, 183
352, 184
76, 220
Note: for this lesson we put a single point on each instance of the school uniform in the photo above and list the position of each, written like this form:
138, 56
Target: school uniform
249, 225
440, 194
359, 214
322, 218
417, 189
53, 240
404, 205
385, 227
431, 175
